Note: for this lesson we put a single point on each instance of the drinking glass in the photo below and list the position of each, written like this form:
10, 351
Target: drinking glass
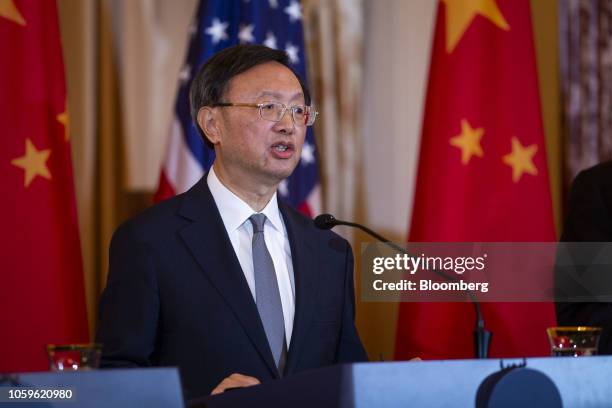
574, 341
72, 357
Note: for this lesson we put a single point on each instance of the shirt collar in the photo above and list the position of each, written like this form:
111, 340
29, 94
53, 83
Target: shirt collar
234, 211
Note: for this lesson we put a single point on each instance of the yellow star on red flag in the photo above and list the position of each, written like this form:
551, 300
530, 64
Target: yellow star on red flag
461, 13
521, 159
64, 119
34, 162
9, 10
468, 141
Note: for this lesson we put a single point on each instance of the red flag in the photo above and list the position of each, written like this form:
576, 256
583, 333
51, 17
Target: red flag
482, 172
42, 298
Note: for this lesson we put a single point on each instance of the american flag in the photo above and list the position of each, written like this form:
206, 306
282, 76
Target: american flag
220, 24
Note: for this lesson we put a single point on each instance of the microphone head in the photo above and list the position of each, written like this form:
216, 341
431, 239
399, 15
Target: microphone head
325, 221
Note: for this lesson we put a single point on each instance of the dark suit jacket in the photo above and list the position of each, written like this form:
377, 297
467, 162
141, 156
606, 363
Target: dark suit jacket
176, 296
589, 219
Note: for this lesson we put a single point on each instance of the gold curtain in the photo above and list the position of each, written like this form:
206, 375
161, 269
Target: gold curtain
545, 23
97, 137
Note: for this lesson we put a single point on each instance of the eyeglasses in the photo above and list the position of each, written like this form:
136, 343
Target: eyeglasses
274, 111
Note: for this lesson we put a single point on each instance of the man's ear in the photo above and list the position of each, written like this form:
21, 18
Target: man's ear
208, 120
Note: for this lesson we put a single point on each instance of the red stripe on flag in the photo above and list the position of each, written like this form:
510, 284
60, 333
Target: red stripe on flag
304, 208
164, 190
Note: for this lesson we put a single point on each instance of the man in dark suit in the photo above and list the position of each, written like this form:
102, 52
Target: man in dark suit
589, 219
224, 281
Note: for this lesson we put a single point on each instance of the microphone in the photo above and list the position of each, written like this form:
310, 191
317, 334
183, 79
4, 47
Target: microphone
325, 221
482, 337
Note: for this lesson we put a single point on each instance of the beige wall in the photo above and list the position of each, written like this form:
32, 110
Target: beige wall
151, 38
397, 51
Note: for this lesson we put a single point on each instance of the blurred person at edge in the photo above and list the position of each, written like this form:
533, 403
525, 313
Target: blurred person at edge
589, 219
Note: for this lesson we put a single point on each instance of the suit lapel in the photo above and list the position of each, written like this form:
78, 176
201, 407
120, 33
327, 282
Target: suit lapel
305, 273
210, 245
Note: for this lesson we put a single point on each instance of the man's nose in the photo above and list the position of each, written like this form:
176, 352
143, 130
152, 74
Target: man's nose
286, 122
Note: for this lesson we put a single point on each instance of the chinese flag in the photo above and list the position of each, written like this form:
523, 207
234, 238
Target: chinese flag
482, 174
42, 298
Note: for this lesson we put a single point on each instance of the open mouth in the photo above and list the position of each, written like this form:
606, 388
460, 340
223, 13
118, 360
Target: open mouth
283, 149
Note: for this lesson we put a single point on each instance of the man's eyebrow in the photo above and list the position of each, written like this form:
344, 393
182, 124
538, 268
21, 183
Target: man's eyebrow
277, 95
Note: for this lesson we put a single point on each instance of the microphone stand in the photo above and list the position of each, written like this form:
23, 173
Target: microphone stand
482, 337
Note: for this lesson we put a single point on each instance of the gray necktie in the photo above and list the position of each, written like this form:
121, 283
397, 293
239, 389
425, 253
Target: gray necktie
267, 294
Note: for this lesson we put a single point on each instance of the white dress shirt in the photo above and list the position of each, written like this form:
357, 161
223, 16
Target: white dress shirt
235, 214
